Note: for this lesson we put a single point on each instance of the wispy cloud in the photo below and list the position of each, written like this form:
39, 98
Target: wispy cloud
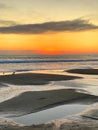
69, 25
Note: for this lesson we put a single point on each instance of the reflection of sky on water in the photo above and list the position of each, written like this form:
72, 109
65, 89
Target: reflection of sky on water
90, 84
50, 114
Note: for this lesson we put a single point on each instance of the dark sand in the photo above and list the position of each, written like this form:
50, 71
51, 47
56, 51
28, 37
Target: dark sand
30, 102
84, 71
34, 78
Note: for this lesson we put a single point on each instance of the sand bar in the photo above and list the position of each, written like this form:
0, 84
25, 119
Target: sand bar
30, 102
34, 78
84, 71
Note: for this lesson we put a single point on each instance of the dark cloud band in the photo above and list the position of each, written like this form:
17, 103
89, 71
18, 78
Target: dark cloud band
73, 25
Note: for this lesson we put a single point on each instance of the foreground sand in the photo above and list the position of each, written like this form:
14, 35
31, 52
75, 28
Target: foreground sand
30, 102
55, 125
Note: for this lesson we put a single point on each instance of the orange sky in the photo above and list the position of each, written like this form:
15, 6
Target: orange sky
65, 42
24, 12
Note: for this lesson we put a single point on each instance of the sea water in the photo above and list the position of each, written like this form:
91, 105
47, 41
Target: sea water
46, 62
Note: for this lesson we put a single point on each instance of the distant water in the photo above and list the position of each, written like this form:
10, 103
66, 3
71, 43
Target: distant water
46, 62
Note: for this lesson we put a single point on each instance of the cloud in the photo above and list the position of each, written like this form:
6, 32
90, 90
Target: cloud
71, 25
7, 23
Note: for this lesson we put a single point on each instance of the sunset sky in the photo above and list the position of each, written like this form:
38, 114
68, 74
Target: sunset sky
49, 26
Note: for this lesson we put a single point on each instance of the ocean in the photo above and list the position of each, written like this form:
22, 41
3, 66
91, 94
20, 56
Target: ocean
18, 63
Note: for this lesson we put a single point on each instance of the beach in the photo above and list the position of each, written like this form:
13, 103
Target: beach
55, 125
30, 102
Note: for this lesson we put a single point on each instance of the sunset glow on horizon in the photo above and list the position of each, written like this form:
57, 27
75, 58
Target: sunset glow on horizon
49, 33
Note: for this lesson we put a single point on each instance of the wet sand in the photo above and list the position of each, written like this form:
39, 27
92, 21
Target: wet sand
84, 71
91, 113
34, 78
30, 102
